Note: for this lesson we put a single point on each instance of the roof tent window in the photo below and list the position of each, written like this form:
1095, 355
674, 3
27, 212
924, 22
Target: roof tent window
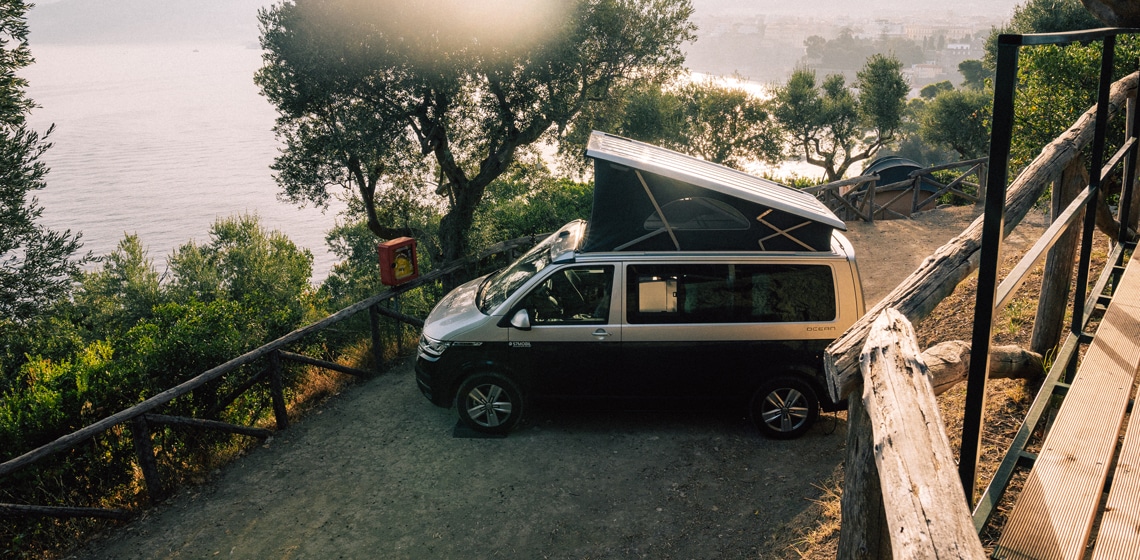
698, 214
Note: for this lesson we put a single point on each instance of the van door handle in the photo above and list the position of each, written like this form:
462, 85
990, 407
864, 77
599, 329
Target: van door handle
601, 332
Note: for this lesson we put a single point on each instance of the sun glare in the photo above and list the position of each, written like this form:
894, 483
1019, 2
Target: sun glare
497, 24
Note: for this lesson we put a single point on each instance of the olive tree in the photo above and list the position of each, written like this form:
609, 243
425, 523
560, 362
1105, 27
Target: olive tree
833, 125
442, 97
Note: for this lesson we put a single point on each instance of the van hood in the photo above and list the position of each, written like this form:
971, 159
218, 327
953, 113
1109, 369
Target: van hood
456, 313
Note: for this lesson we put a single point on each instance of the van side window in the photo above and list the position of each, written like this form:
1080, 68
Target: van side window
572, 295
730, 293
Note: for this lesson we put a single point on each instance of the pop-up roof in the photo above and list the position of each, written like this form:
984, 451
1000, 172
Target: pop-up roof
648, 198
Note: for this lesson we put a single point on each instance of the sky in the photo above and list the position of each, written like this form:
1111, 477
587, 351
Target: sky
116, 21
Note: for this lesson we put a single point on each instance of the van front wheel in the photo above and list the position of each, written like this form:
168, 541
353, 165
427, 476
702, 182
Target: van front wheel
489, 403
784, 408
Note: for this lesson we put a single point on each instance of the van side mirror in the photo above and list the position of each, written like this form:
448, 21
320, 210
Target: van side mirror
521, 320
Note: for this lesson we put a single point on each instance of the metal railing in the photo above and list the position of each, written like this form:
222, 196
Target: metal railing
992, 297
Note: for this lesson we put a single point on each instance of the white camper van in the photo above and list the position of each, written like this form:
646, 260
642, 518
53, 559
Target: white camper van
692, 283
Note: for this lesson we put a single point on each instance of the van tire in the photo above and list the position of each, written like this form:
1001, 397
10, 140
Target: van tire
489, 402
785, 407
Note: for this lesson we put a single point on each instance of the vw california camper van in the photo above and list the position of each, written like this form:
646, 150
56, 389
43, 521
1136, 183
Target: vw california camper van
691, 283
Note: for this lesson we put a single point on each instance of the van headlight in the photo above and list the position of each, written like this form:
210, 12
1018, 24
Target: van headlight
430, 349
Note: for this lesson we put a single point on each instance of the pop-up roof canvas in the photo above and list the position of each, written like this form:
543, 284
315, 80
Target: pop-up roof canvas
648, 198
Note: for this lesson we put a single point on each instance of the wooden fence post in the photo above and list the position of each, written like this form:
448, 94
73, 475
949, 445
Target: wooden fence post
871, 201
1058, 274
863, 533
983, 174
144, 450
1133, 208
377, 340
925, 505
916, 194
399, 325
277, 388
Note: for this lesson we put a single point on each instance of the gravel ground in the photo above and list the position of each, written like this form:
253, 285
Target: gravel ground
378, 474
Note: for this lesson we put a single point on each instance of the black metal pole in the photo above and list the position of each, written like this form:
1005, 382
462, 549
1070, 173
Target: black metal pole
1094, 184
1000, 135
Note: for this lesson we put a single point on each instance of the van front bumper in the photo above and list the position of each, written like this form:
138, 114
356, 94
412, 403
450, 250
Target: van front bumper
425, 381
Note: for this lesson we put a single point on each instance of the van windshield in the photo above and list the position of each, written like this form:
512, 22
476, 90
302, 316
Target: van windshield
500, 285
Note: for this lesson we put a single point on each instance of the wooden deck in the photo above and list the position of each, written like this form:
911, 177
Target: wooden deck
1058, 506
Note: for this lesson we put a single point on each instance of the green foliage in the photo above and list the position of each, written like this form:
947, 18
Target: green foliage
1051, 16
882, 95
367, 90
960, 120
1041, 16
244, 262
35, 262
1055, 86
717, 123
931, 91
530, 201
122, 293
53, 398
974, 74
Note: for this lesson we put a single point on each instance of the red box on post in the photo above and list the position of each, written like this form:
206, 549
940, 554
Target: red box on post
398, 261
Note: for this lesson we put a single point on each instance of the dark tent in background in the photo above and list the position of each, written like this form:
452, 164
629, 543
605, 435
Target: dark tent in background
893, 170
648, 198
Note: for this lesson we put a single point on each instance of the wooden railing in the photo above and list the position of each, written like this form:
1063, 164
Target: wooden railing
864, 199
143, 415
897, 500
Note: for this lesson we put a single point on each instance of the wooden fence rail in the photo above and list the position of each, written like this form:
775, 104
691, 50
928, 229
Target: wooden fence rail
863, 198
142, 415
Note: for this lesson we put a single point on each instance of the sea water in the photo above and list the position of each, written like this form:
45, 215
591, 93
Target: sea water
161, 141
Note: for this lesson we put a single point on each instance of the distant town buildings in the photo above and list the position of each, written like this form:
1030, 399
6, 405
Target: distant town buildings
766, 48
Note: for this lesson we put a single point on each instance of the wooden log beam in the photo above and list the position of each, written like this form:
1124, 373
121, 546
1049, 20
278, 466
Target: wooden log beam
922, 495
941, 272
22, 510
963, 163
414, 321
949, 363
300, 358
842, 183
207, 425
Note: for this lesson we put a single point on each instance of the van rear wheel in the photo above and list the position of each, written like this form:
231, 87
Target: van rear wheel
784, 408
489, 403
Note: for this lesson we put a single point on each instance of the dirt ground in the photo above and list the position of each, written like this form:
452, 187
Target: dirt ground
378, 473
